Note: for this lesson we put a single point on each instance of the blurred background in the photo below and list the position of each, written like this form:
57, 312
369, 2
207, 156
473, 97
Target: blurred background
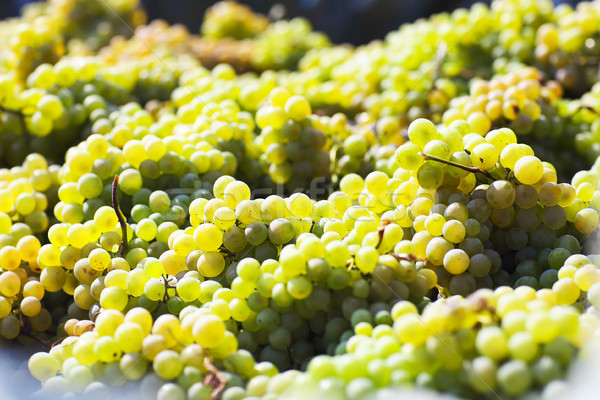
344, 21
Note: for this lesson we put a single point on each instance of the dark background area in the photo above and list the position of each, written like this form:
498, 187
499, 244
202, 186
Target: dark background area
353, 21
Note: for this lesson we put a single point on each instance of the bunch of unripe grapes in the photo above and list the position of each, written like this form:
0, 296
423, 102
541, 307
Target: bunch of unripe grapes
581, 116
94, 25
62, 104
292, 145
34, 44
532, 108
520, 209
451, 346
343, 222
575, 37
230, 19
27, 193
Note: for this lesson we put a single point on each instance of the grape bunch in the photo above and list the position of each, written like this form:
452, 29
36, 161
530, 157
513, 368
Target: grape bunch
230, 19
94, 25
418, 212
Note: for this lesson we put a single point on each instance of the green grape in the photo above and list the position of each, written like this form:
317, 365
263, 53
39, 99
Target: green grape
247, 212
586, 220
514, 377
159, 201
297, 108
482, 378
511, 154
114, 298
167, 365
528, 170
437, 148
188, 289
154, 289
211, 264
454, 231
491, 342
234, 239
421, 132
280, 231
43, 366
408, 157
208, 237
501, 194
484, 156
256, 233
456, 261
430, 176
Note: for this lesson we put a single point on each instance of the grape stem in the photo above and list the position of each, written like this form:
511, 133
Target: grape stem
408, 257
167, 287
36, 338
59, 340
380, 232
474, 170
441, 291
214, 379
121, 218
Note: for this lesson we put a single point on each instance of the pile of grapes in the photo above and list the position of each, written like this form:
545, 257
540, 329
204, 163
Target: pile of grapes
256, 213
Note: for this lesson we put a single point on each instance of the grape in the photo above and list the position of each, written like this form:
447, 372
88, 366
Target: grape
188, 289
491, 342
430, 176
280, 231
208, 237
528, 170
208, 331
501, 194
456, 261
484, 156
297, 108
113, 298
211, 264
421, 132
43, 366
586, 220
167, 365
408, 156
514, 377
106, 349
129, 336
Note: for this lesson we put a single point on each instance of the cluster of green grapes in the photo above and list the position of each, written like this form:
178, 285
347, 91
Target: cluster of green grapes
504, 342
580, 116
32, 45
93, 25
374, 219
68, 101
35, 196
230, 19
534, 109
283, 44
27, 192
376, 240
45, 30
422, 66
272, 301
232, 33
515, 98
290, 143
567, 46
561, 41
